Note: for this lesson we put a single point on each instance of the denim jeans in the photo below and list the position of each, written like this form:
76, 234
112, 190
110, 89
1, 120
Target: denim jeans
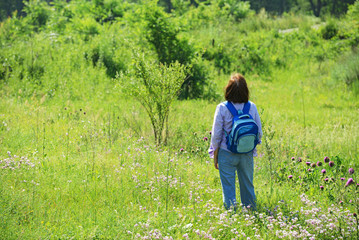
230, 163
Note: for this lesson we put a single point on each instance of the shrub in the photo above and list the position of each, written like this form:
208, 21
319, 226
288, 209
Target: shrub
38, 13
347, 71
163, 35
221, 57
329, 31
236, 9
110, 51
61, 15
87, 27
353, 11
101, 55
155, 86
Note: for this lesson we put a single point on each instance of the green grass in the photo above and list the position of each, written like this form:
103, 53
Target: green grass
91, 187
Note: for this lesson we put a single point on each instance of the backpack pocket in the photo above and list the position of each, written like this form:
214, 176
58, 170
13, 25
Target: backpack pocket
245, 139
246, 143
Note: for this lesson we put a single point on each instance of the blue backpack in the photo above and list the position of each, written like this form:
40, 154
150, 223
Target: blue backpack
243, 137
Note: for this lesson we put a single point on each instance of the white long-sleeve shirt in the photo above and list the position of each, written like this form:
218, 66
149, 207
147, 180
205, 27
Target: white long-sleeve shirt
223, 122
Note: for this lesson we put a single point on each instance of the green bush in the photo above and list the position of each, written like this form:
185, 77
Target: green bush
236, 9
155, 86
353, 11
61, 15
329, 31
163, 35
101, 55
37, 13
347, 71
220, 56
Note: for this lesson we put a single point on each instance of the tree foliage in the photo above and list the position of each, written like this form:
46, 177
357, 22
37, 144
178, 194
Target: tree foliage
163, 34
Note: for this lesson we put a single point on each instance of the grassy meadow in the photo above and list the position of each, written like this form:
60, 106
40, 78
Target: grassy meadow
78, 159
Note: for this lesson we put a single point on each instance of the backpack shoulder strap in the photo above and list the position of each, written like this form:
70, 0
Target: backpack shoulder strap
246, 107
231, 108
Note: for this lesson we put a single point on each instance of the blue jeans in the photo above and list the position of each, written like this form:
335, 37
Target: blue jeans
228, 164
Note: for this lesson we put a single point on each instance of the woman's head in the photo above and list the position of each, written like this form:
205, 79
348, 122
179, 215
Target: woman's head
236, 90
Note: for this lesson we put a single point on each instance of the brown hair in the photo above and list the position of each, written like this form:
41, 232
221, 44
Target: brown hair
236, 90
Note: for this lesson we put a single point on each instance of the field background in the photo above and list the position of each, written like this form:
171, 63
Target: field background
78, 159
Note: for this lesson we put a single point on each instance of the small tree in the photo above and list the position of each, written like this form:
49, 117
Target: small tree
155, 86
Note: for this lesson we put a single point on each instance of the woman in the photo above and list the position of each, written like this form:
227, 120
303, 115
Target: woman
227, 162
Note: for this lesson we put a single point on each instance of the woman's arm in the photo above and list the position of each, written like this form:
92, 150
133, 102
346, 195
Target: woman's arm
217, 131
215, 158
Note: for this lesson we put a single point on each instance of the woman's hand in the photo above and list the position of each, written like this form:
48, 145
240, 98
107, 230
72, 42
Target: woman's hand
215, 158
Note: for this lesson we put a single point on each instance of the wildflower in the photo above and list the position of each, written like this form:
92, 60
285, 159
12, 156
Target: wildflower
321, 187
290, 176
205, 139
319, 164
343, 179
340, 202
181, 150
299, 159
293, 158
309, 170
326, 159
355, 215
313, 165
84, 113
331, 164
326, 179
349, 182
324, 171
308, 163
210, 132
351, 171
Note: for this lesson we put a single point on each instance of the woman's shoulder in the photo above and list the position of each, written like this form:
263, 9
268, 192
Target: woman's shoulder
253, 108
221, 106
253, 104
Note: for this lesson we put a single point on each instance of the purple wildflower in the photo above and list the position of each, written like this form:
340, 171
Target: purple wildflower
181, 150
326, 179
355, 215
313, 165
351, 171
331, 164
205, 139
340, 202
324, 171
210, 132
349, 182
321, 187
319, 163
293, 158
299, 159
290, 176
326, 159
309, 170
308, 163
343, 179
